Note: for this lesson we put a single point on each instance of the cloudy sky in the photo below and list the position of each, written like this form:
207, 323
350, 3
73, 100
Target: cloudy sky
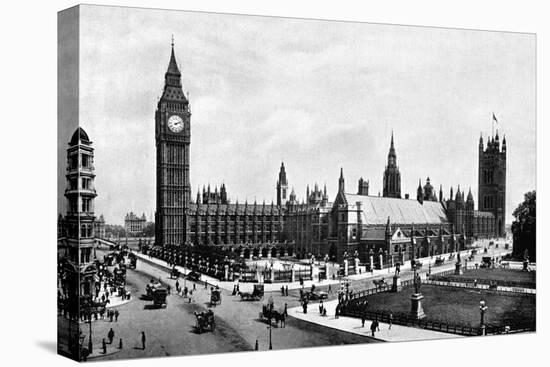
319, 95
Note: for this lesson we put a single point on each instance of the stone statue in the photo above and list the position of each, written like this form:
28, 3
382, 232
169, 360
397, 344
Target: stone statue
417, 283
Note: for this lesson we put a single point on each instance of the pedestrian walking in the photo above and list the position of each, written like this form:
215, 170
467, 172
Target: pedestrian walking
286, 290
329, 289
177, 286
283, 290
285, 312
194, 286
374, 326
116, 315
283, 320
110, 315
256, 345
143, 340
111, 335
363, 320
390, 320
321, 307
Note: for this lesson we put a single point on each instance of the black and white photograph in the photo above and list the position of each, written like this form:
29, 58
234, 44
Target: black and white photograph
241, 183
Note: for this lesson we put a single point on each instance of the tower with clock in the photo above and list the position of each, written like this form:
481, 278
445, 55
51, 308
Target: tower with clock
172, 137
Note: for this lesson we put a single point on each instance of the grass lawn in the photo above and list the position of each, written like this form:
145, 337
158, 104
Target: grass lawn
459, 305
502, 274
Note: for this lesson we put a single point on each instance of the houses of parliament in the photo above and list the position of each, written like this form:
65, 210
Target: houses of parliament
386, 227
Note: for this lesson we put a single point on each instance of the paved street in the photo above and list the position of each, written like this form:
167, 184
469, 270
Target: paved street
170, 331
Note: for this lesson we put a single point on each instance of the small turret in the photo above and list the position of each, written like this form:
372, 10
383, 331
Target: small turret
341, 182
420, 192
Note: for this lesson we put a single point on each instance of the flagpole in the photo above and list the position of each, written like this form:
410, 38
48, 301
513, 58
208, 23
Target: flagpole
493, 132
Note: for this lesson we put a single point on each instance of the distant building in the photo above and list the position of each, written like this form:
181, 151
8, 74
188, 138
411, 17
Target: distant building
134, 225
99, 227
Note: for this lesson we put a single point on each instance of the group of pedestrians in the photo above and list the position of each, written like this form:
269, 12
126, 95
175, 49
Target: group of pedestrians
111, 337
185, 292
284, 291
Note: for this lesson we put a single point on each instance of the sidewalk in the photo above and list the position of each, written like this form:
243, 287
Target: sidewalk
397, 333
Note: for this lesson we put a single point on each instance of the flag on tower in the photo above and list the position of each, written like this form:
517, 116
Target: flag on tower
494, 118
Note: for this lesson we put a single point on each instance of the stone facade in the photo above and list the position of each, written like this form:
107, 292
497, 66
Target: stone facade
134, 224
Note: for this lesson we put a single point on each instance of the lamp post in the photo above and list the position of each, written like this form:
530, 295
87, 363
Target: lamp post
482, 309
270, 327
90, 321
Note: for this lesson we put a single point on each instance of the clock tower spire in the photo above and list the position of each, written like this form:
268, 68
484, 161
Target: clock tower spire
172, 137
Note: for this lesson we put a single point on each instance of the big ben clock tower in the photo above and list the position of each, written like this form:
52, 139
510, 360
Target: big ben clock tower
172, 136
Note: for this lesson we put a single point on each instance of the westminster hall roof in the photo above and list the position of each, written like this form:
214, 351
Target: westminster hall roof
376, 210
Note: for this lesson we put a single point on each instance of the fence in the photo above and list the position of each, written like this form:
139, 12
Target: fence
505, 292
405, 319
461, 279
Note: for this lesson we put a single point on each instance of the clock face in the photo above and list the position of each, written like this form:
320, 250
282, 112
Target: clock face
175, 123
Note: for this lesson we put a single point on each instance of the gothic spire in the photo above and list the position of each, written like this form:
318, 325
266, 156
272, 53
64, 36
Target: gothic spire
341, 182
173, 65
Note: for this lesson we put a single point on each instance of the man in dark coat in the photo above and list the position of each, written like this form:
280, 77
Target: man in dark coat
111, 335
143, 340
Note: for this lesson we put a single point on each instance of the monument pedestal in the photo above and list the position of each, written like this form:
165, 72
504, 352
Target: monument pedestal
417, 312
396, 286
458, 269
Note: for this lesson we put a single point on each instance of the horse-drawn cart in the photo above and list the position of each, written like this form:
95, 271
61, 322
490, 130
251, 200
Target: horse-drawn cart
269, 314
256, 295
174, 273
205, 321
215, 297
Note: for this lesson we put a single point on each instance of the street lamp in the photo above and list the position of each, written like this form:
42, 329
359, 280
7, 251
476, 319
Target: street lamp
270, 327
482, 309
90, 321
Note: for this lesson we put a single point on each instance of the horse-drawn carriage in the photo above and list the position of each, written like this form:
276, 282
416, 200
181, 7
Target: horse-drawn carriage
215, 297
380, 283
157, 293
119, 276
439, 261
205, 321
256, 295
174, 273
133, 260
269, 314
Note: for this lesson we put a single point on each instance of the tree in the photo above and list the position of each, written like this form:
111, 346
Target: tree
149, 230
524, 227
